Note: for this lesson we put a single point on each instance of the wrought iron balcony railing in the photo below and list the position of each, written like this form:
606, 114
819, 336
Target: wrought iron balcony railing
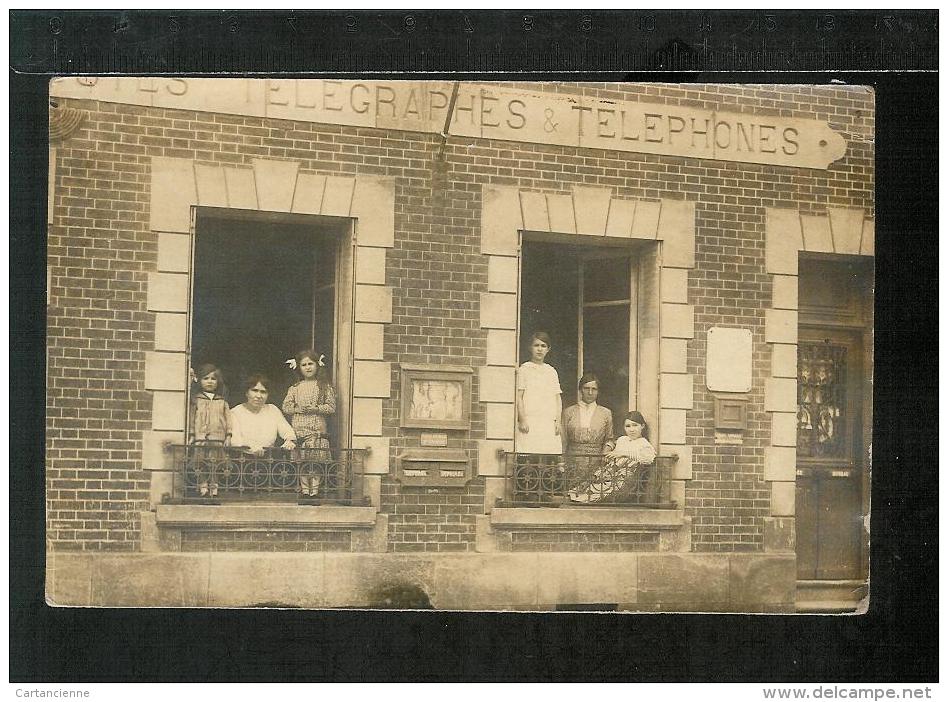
548, 480
215, 473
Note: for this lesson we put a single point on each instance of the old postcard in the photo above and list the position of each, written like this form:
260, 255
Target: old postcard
459, 345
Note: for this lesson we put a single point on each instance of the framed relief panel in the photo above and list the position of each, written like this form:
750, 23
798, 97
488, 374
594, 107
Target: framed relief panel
436, 397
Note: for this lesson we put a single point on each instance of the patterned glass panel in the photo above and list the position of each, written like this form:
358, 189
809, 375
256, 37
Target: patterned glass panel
821, 400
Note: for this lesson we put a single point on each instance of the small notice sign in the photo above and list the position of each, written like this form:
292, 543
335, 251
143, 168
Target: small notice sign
434, 439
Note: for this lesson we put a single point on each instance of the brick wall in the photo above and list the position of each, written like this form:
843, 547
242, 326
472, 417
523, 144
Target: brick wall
583, 541
100, 251
431, 519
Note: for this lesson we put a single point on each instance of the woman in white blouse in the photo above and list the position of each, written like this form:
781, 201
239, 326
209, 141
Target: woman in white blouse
257, 424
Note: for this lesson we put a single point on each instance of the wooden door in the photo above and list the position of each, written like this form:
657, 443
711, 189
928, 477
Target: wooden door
830, 471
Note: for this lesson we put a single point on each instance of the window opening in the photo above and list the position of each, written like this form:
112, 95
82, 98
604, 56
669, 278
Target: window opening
264, 289
585, 297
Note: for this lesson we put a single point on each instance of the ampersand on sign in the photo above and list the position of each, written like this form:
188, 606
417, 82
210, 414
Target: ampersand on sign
549, 126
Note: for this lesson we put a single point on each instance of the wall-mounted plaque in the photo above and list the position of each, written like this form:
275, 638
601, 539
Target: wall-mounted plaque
436, 397
730, 359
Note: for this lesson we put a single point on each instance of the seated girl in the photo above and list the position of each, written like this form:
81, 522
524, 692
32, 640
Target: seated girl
621, 466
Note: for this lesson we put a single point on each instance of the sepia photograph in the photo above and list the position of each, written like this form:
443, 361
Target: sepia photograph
459, 345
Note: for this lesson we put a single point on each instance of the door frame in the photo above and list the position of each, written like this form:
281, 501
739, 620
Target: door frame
820, 470
855, 327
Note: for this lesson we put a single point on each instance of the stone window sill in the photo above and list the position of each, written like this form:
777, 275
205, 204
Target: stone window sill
586, 518
274, 516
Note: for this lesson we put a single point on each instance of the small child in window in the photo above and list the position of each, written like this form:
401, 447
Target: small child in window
621, 465
308, 402
210, 417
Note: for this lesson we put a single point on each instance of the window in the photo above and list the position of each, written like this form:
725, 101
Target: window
590, 300
264, 289
587, 299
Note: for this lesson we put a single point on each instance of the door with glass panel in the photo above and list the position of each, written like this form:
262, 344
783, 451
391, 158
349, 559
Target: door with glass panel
829, 449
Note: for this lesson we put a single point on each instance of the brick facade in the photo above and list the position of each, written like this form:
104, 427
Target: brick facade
101, 251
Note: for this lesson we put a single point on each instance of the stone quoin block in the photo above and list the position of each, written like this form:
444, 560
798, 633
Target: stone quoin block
817, 237
672, 426
562, 215
275, 182
167, 292
780, 395
780, 326
499, 420
373, 303
501, 347
368, 341
535, 215
373, 206
498, 311
783, 429
785, 292
156, 449
174, 252
678, 321
784, 241
673, 356
337, 200
171, 331
675, 285
676, 229
495, 487
847, 229
211, 186
372, 379
370, 265
168, 410
308, 196
676, 391
783, 498
366, 416
621, 216
165, 371
501, 220
497, 384
377, 458
592, 209
502, 274
783, 360
173, 192
780, 463
681, 469
645, 224
241, 188
489, 462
